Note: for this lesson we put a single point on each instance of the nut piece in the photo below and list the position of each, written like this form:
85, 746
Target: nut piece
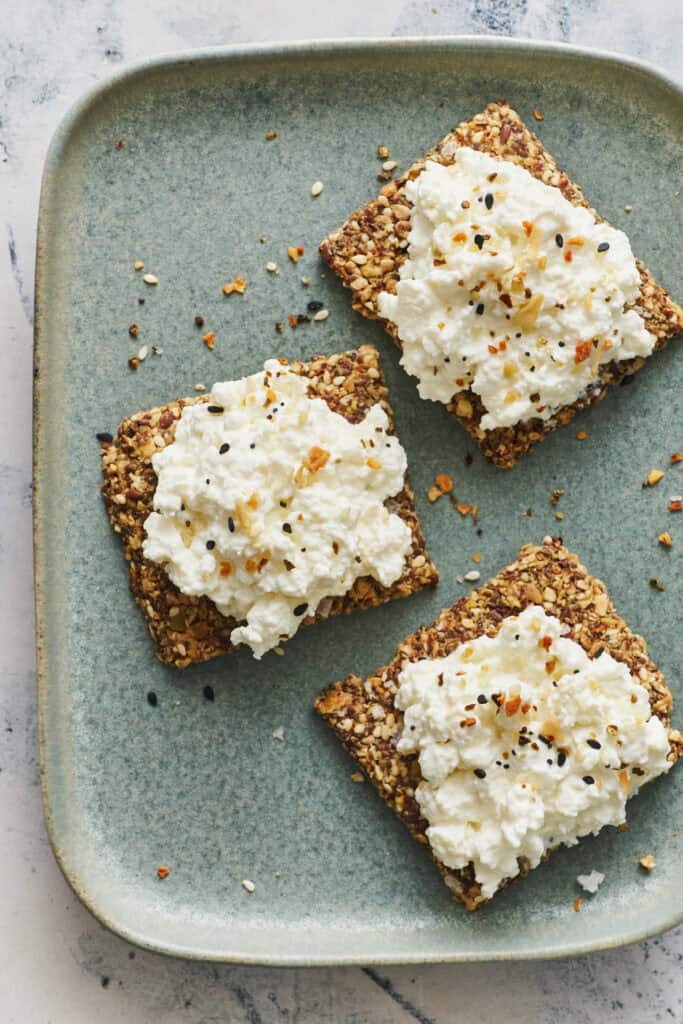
653, 477
647, 862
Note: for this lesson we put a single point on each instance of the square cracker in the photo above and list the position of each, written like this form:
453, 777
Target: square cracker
379, 231
547, 575
186, 630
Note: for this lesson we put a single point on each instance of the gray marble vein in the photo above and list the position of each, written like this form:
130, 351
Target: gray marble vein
57, 964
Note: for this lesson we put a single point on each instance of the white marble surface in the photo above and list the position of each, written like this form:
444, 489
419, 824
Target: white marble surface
57, 965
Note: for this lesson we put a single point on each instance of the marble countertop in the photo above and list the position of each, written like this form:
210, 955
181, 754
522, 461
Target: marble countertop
57, 964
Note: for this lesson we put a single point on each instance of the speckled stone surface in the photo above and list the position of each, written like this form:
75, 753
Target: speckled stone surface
59, 958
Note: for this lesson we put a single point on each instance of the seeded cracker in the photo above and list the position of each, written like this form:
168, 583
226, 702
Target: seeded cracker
186, 629
362, 714
377, 236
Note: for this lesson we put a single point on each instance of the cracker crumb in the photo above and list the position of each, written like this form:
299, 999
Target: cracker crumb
433, 494
209, 339
653, 477
239, 285
675, 503
665, 539
444, 483
248, 885
382, 152
476, 557
676, 458
559, 516
592, 882
647, 862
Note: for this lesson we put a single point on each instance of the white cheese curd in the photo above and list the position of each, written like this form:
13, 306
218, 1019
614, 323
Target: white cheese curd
510, 290
267, 502
524, 742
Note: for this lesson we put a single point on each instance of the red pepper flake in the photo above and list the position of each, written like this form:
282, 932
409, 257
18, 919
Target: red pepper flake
279, 326
502, 346
526, 707
546, 642
133, 362
676, 458
459, 236
373, 463
493, 350
568, 257
163, 871
291, 319
583, 351
512, 706
469, 721
209, 339
528, 227
225, 569
464, 509
675, 505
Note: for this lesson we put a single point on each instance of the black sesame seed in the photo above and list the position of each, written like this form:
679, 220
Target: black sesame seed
215, 409
480, 773
141, 302
488, 200
314, 306
595, 744
104, 438
287, 527
603, 247
224, 448
589, 780
152, 699
480, 309
469, 458
561, 758
479, 241
559, 241
207, 481
506, 766
210, 545
561, 344
208, 693
253, 444
482, 699
598, 652
301, 609
231, 524
544, 739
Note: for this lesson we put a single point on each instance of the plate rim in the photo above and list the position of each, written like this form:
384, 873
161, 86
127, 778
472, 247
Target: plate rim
244, 52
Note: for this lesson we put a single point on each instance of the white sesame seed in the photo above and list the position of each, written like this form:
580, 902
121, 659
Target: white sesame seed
459, 579
389, 165
279, 733
271, 267
472, 576
316, 188
143, 353
322, 314
628, 209
248, 885
305, 281
279, 651
150, 279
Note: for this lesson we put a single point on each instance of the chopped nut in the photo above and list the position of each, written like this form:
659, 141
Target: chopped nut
665, 539
200, 387
556, 495
389, 165
653, 477
538, 115
647, 862
133, 330
294, 252
138, 265
209, 339
433, 494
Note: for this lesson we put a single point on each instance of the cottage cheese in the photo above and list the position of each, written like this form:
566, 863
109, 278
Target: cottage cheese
267, 502
524, 742
510, 290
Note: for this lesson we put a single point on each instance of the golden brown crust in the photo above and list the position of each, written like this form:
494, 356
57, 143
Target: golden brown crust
377, 234
362, 713
186, 629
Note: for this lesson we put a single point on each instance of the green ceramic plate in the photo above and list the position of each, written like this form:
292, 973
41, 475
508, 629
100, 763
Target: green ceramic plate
203, 786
